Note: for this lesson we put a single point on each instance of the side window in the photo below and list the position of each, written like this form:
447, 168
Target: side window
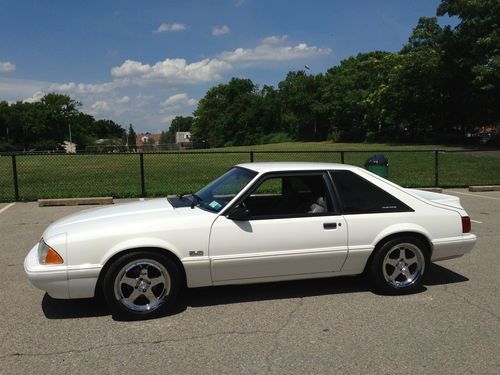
358, 195
288, 196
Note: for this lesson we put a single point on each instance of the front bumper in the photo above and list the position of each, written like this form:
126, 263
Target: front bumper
52, 279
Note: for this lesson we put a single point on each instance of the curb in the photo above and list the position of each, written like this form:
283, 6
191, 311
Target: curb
485, 188
74, 201
432, 189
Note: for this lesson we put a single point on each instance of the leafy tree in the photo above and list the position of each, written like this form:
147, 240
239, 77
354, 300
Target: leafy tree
46, 124
225, 116
347, 92
472, 58
131, 136
302, 117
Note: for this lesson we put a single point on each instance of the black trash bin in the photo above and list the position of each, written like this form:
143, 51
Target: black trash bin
378, 164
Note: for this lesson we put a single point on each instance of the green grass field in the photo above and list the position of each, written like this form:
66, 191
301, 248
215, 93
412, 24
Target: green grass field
118, 175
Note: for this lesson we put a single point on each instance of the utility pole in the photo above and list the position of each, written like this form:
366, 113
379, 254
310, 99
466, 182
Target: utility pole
315, 127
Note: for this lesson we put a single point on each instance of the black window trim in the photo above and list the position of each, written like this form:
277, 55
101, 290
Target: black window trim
405, 207
323, 173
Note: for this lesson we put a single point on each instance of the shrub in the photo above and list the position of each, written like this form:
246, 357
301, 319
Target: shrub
334, 136
280, 137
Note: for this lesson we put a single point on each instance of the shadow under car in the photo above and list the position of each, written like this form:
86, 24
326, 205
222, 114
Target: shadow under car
224, 295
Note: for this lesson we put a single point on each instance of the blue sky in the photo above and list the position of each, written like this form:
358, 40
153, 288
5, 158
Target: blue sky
143, 62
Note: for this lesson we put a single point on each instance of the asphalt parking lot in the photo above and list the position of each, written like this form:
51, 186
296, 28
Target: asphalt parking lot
321, 326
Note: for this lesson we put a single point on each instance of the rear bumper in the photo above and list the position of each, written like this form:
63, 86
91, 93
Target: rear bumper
52, 279
448, 248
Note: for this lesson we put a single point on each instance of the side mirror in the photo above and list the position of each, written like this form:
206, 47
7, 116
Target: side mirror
239, 212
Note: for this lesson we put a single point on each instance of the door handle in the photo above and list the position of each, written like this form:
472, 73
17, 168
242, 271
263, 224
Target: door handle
330, 225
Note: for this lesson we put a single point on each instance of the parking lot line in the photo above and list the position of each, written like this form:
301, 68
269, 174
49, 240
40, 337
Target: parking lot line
476, 221
7, 207
472, 195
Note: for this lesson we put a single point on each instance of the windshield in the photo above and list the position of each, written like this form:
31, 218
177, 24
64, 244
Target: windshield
219, 192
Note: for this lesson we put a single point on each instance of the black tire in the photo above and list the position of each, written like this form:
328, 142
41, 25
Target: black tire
390, 270
157, 281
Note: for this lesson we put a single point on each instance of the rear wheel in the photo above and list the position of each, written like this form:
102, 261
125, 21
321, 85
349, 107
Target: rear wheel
141, 285
399, 265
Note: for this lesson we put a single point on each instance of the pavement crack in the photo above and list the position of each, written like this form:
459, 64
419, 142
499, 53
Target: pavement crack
288, 320
469, 302
87, 350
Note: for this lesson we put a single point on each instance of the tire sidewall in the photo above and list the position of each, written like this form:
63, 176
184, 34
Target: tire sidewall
376, 267
118, 308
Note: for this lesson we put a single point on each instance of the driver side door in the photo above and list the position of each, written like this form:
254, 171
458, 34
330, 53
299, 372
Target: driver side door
292, 229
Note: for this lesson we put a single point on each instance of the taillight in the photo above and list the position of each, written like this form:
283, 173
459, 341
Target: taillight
466, 226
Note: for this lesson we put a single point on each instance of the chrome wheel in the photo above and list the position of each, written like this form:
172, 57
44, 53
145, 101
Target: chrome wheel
142, 285
403, 265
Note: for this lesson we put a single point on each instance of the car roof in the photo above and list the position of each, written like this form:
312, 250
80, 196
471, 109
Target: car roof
264, 167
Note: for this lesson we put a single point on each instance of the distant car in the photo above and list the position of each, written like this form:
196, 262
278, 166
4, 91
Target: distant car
259, 222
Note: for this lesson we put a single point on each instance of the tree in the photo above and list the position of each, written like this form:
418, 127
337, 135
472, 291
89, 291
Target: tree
472, 58
46, 124
427, 34
223, 114
347, 90
131, 136
302, 117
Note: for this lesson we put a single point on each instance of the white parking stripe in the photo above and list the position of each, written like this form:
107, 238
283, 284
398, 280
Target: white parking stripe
476, 221
472, 195
7, 207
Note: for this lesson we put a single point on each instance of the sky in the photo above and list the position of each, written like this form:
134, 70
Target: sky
144, 62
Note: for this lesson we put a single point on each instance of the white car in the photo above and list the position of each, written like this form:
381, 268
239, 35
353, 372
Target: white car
259, 222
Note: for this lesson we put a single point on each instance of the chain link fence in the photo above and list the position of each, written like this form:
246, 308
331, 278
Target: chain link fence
122, 175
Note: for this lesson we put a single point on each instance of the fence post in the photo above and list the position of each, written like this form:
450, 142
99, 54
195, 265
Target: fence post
143, 185
251, 156
342, 157
436, 168
14, 177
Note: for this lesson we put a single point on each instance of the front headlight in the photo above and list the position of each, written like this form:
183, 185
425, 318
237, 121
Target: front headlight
47, 255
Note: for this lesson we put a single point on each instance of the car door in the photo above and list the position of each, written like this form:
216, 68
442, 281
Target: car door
292, 227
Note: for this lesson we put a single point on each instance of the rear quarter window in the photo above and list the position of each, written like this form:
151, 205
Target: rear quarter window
358, 195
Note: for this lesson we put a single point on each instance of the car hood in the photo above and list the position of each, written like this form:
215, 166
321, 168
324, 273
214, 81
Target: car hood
141, 211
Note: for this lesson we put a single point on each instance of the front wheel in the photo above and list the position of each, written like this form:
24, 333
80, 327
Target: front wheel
141, 285
399, 265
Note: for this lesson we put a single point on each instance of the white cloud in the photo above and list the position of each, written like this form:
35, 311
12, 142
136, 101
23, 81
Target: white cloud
178, 100
123, 99
171, 27
132, 95
274, 39
100, 106
220, 30
172, 70
272, 49
84, 88
130, 68
13, 89
178, 70
36, 97
7, 67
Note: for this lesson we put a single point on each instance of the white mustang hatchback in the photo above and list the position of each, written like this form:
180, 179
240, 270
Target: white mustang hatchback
258, 222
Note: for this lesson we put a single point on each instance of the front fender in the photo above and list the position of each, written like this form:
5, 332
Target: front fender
141, 242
